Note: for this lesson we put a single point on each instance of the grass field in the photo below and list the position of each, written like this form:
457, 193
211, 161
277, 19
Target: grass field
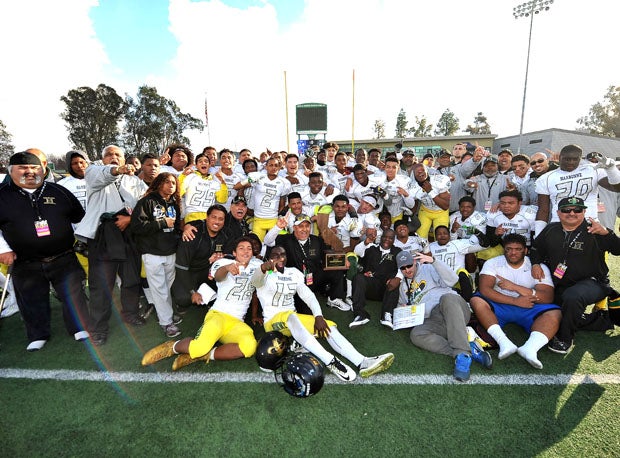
72, 399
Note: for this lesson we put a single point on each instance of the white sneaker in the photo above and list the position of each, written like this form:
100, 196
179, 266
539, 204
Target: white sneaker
387, 320
36, 345
375, 364
341, 370
359, 320
80, 336
339, 304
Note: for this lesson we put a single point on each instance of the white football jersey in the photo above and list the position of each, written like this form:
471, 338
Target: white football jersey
477, 221
522, 223
414, 244
234, 293
393, 201
278, 289
440, 183
453, 253
77, 186
347, 228
198, 193
581, 182
267, 194
231, 181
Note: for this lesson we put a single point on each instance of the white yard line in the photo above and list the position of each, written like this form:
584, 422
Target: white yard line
258, 377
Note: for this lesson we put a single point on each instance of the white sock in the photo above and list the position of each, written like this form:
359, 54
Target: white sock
349, 288
307, 340
529, 350
340, 343
506, 347
212, 354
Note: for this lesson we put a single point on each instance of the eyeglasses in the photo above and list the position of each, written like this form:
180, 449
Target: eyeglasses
539, 161
406, 267
574, 210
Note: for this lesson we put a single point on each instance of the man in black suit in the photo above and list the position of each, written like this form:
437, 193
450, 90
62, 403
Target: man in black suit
379, 262
307, 252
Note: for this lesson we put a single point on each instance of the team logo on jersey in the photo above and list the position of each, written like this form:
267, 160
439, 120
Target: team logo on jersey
578, 246
49, 200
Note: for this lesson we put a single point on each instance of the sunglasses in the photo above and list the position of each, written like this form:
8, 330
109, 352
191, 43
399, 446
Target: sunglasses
539, 161
406, 267
574, 210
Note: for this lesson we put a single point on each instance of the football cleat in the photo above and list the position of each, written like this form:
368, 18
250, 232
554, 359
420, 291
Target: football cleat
341, 370
185, 360
375, 364
339, 304
162, 351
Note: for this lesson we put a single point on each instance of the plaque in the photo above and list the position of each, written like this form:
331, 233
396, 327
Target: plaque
335, 261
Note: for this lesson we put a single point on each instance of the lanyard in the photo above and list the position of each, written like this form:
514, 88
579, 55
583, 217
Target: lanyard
34, 199
491, 185
568, 244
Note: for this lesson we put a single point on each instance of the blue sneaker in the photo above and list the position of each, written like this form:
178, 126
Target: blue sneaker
480, 356
462, 363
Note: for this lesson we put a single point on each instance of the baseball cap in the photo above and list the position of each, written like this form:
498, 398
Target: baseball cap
408, 152
427, 156
404, 258
572, 202
491, 158
444, 152
505, 150
371, 200
302, 219
239, 200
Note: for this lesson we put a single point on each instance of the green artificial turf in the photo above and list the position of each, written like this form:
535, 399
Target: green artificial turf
83, 418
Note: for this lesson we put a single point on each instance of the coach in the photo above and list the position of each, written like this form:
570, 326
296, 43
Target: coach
36, 223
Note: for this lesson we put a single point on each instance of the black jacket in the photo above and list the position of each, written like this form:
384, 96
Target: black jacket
582, 252
19, 210
312, 258
148, 226
382, 267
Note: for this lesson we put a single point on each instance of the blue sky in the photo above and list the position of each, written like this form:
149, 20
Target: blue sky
424, 57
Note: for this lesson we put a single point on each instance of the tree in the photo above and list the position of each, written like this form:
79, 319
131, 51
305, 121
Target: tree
401, 124
6, 147
481, 126
448, 124
92, 117
421, 128
379, 129
152, 122
604, 117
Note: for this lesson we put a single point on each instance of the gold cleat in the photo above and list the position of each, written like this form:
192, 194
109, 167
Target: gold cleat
375, 364
158, 353
185, 360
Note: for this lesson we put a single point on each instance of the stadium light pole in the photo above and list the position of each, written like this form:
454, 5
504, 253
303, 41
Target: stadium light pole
528, 9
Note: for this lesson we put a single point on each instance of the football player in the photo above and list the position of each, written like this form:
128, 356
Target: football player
224, 321
276, 285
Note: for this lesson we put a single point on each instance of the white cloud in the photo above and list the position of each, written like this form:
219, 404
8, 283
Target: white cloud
421, 56
49, 48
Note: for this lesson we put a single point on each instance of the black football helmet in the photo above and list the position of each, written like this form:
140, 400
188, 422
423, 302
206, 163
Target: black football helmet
272, 350
301, 375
